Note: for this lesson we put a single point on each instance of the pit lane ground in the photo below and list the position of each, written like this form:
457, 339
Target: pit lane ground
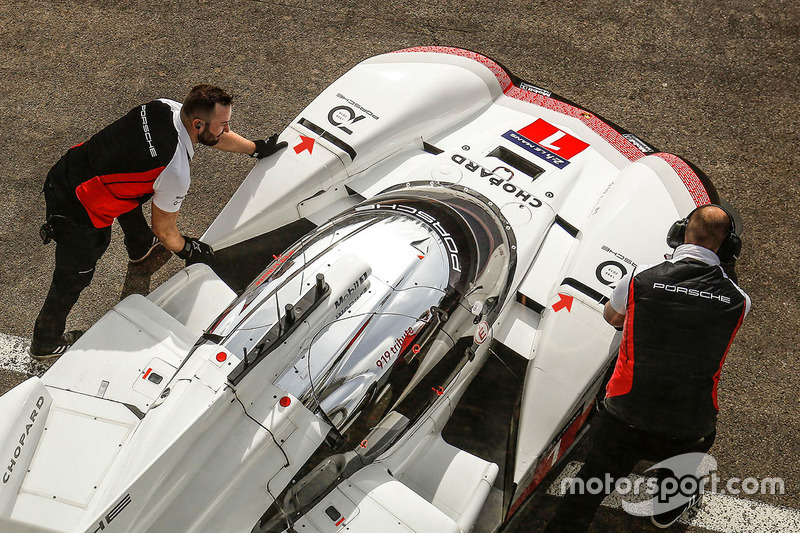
716, 83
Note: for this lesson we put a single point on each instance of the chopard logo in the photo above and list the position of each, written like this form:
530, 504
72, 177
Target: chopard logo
21, 442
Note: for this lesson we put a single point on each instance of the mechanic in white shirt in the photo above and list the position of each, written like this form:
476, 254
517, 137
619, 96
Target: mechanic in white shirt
145, 154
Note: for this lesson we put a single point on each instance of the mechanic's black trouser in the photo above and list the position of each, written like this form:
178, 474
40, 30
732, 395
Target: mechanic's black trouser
614, 448
78, 248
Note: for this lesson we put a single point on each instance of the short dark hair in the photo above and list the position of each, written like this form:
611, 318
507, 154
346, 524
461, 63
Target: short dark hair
203, 98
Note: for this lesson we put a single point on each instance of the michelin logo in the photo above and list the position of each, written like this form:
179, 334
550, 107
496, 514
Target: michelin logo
638, 143
534, 89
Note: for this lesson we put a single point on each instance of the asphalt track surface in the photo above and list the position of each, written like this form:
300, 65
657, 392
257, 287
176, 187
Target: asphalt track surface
715, 82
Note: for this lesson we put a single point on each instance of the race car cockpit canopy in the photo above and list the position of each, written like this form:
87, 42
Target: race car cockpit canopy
409, 278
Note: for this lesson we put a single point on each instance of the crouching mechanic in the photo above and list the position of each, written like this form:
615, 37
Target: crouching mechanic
679, 319
143, 155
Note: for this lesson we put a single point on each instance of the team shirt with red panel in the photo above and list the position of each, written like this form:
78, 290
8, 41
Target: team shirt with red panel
145, 153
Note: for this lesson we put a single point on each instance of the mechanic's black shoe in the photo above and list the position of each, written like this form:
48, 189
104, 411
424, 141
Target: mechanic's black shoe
44, 351
665, 520
137, 256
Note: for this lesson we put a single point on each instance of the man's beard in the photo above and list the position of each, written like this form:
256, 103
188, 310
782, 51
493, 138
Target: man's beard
205, 137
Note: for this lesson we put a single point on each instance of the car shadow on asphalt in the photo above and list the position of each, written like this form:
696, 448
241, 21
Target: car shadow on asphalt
138, 276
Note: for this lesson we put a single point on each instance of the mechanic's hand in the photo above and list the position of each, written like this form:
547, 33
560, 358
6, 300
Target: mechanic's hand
195, 250
268, 147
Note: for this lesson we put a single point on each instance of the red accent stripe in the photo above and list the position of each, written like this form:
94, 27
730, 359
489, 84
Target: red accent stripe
360, 331
621, 381
147, 373
693, 184
339, 523
498, 71
722, 362
148, 176
106, 197
609, 134
564, 441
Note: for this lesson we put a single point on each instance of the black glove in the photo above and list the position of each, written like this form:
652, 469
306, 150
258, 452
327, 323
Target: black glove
195, 250
268, 147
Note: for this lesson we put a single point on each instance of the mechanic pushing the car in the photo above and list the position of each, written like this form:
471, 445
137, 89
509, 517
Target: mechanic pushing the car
678, 320
143, 155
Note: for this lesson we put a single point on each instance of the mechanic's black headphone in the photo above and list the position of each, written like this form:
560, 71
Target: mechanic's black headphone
729, 250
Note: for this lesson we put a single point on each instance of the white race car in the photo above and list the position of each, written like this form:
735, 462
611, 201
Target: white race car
404, 331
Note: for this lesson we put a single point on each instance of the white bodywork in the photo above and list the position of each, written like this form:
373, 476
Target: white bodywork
140, 426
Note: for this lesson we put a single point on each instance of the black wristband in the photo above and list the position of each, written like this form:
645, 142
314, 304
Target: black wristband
186, 251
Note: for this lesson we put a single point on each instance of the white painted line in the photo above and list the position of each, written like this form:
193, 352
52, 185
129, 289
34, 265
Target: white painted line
718, 512
14, 356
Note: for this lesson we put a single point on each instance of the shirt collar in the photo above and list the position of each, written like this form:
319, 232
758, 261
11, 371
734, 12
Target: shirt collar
693, 251
183, 135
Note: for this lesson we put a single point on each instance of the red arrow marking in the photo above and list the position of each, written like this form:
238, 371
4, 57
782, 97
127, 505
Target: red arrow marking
566, 301
306, 143
421, 256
